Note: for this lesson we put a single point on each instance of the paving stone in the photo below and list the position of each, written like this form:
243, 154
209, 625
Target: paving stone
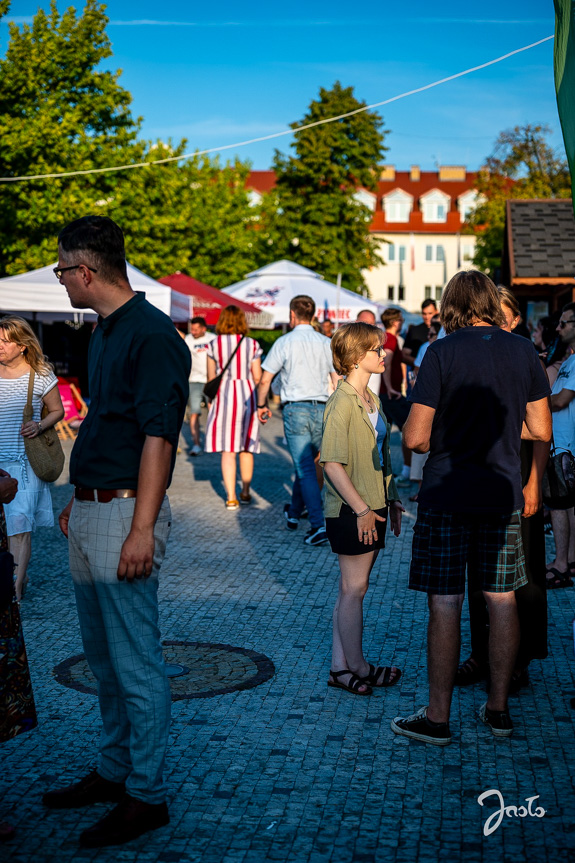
289, 770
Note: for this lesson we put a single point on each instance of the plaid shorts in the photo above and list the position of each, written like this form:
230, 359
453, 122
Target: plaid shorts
444, 543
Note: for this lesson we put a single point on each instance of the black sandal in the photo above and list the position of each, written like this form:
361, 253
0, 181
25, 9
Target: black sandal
470, 672
560, 579
352, 686
375, 674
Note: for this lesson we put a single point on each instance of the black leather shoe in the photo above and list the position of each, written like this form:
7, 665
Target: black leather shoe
128, 820
92, 789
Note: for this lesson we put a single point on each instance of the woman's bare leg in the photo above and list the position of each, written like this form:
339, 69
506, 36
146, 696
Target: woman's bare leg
229, 474
246, 470
347, 649
20, 546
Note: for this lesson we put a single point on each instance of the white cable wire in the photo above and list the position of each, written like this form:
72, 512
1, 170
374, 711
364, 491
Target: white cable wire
275, 134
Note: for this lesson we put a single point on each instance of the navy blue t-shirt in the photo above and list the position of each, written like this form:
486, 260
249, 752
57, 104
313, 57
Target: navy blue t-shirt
479, 381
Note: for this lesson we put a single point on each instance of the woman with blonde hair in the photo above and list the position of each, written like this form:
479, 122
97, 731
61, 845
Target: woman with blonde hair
20, 354
232, 425
360, 496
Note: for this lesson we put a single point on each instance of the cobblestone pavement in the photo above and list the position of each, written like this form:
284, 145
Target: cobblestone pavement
287, 770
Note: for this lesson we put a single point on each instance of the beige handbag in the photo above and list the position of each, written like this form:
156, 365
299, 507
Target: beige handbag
44, 452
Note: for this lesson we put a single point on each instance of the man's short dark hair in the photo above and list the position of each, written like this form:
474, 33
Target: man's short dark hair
303, 307
200, 321
426, 303
568, 307
390, 316
98, 240
469, 297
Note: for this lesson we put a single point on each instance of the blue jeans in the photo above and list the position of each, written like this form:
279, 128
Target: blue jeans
121, 639
303, 429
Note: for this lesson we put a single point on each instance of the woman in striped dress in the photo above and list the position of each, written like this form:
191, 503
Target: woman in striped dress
232, 426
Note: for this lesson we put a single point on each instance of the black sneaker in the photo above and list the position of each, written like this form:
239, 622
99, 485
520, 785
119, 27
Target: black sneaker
316, 536
419, 727
291, 523
498, 720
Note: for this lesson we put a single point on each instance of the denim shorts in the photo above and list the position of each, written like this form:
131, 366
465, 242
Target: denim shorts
444, 543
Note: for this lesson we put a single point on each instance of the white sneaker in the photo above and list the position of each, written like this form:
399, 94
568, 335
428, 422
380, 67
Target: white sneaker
196, 449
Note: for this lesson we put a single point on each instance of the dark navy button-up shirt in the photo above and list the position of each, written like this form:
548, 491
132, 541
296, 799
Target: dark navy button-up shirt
138, 372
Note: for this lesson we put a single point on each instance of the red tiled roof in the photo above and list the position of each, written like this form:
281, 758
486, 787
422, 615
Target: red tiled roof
263, 181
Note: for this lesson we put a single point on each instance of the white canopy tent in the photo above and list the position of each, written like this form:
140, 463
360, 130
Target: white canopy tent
272, 287
39, 296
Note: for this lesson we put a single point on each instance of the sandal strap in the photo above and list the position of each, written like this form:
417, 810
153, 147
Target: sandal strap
354, 681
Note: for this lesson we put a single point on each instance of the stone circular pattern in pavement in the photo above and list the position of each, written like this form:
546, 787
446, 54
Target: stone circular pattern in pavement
215, 669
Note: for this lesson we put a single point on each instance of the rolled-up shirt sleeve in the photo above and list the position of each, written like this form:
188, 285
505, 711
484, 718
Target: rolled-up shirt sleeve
161, 371
335, 440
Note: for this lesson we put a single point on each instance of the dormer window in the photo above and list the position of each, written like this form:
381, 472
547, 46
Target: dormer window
254, 198
435, 206
468, 202
368, 199
397, 206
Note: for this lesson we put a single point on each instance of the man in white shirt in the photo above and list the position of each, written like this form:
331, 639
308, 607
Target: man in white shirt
304, 359
198, 341
559, 572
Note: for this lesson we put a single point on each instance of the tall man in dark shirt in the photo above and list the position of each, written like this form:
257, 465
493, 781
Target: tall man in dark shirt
417, 334
117, 525
477, 393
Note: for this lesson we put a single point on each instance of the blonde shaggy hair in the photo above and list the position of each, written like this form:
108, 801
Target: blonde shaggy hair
20, 332
351, 342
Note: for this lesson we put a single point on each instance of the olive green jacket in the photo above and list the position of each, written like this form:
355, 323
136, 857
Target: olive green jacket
350, 440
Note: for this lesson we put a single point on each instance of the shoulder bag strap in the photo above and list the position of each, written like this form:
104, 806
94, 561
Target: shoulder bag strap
225, 368
30, 388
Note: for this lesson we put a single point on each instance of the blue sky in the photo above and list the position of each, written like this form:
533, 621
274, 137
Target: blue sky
219, 75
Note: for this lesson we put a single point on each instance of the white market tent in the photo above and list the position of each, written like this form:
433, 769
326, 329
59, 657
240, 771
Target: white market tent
39, 296
272, 287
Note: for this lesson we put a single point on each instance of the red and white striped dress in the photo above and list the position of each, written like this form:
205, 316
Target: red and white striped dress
232, 424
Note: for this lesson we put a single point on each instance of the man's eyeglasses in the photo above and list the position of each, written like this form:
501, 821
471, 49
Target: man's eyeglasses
59, 270
380, 351
562, 324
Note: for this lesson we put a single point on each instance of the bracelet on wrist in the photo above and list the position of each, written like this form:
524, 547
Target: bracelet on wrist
364, 512
261, 407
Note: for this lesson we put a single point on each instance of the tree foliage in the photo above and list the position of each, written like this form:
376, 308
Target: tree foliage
522, 165
312, 215
59, 111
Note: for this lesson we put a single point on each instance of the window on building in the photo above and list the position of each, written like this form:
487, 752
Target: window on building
391, 252
402, 253
467, 252
390, 292
429, 253
427, 290
397, 206
438, 292
435, 206
401, 293
439, 253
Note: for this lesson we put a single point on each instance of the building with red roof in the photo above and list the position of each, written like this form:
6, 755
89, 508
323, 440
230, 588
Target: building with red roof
418, 217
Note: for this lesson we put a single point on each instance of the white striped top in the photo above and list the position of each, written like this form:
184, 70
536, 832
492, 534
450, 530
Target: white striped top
13, 394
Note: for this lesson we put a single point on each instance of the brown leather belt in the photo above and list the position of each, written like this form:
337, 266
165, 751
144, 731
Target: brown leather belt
103, 495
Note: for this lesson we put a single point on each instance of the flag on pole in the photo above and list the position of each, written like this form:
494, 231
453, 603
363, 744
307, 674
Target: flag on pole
412, 244
564, 67
326, 311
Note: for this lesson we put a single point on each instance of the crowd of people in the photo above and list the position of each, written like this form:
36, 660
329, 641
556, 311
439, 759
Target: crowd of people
475, 407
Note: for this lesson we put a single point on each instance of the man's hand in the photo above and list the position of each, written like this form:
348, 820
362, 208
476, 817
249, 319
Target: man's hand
264, 414
64, 518
396, 511
8, 487
393, 394
137, 555
532, 498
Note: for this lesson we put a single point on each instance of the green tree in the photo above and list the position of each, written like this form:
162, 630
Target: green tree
313, 216
60, 112
522, 165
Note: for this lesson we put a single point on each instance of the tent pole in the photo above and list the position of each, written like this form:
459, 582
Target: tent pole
338, 283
